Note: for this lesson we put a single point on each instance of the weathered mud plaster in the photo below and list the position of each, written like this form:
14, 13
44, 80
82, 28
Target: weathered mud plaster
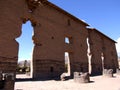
51, 25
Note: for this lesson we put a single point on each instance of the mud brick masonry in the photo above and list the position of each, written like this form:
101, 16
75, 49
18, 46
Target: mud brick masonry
51, 26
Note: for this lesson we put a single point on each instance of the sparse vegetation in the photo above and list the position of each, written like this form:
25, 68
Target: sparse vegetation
23, 67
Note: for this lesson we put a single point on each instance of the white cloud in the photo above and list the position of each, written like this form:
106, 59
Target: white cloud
118, 46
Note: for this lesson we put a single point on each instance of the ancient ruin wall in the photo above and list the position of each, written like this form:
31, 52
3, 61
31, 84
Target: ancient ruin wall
96, 45
11, 19
80, 48
103, 50
77, 47
110, 54
51, 26
10, 28
49, 38
48, 54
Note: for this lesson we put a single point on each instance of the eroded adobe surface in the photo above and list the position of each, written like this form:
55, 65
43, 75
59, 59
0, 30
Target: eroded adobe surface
10, 29
103, 52
51, 25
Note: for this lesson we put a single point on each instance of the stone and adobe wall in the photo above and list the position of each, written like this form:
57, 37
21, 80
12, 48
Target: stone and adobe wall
10, 28
110, 54
48, 54
103, 51
96, 45
51, 26
11, 21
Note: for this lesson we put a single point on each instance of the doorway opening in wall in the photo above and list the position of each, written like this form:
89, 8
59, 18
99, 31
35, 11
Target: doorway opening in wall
67, 63
89, 55
24, 66
102, 58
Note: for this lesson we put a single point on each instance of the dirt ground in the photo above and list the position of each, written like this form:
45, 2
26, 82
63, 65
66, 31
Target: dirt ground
97, 83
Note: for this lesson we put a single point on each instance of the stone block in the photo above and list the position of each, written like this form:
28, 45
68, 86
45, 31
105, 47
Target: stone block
63, 77
108, 72
7, 81
118, 71
80, 77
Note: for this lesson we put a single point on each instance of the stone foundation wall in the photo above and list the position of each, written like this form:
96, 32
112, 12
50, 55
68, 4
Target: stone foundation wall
48, 68
80, 67
7, 81
8, 64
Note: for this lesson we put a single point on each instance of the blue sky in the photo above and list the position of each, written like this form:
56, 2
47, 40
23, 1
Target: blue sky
103, 15
25, 42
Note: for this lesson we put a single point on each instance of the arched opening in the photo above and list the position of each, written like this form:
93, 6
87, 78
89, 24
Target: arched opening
67, 63
102, 58
89, 56
25, 51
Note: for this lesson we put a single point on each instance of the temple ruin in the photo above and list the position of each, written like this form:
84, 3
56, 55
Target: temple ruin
51, 26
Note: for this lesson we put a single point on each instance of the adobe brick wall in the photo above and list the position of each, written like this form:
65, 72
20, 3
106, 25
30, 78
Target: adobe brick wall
10, 28
102, 46
49, 38
11, 16
96, 45
49, 42
80, 49
110, 55
51, 26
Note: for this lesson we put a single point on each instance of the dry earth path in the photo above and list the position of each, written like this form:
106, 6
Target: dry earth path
97, 83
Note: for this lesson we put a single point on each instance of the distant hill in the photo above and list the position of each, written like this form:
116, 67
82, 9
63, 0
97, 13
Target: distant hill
21, 63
